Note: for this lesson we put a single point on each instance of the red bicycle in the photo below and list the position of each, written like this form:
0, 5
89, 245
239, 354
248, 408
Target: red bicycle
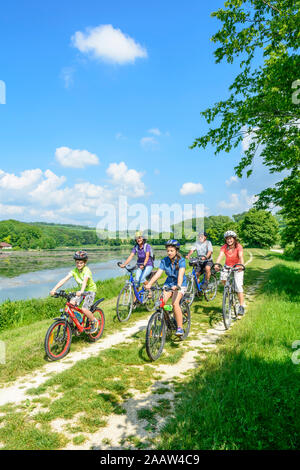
72, 321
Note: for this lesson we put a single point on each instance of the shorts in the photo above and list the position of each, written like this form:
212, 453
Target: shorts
88, 301
182, 290
238, 279
201, 267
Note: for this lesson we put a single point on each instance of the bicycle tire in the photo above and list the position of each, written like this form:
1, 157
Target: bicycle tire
155, 335
64, 344
211, 291
150, 302
190, 290
100, 317
235, 304
186, 318
226, 308
124, 310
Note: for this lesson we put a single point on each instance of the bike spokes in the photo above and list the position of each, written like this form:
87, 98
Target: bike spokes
155, 336
211, 290
58, 340
124, 304
226, 308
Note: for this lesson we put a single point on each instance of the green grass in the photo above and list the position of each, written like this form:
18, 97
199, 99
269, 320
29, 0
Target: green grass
246, 395
233, 390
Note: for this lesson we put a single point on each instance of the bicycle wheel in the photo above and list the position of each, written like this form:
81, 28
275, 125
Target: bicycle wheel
190, 289
58, 340
99, 316
226, 308
235, 303
211, 291
125, 303
155, 335
186, 318
151, 301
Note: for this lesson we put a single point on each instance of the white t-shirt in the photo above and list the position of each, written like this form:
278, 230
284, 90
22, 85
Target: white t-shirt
202, 248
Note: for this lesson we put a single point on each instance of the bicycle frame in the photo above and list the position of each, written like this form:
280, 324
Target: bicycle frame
136, 292
69, 309
198, 285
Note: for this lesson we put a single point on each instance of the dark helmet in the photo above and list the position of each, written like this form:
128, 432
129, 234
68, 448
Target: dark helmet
174, 243
81, 255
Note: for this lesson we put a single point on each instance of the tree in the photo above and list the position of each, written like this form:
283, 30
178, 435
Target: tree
259, 228
263, 103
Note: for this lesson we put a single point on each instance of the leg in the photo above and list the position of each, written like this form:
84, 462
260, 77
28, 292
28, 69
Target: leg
177, 296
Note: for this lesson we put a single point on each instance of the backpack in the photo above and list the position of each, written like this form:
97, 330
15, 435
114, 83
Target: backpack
152, 255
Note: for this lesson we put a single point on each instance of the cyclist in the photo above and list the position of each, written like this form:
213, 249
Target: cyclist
174, 267
83, 276
204, 250
144, 261
233, 252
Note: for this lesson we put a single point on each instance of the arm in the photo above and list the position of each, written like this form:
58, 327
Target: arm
180, 276
128, 260
241, 257
221, 255
146, 260
154, 278
190, 252
60, 283
81, 291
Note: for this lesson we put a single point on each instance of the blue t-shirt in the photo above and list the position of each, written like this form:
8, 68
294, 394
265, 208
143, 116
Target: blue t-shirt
142, 255
172, 272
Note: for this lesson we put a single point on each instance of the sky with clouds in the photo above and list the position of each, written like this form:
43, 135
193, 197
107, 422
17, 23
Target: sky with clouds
103, 100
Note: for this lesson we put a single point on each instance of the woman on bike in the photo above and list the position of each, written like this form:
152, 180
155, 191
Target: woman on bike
174, 267
233, 252
83, 276
144, 258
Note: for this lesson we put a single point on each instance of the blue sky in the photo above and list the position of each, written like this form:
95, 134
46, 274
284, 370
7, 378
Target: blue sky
104, 99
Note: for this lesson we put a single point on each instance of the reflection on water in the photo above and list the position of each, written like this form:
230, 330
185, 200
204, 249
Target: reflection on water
39, 283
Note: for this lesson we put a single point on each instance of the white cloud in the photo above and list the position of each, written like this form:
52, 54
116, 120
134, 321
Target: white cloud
75, 158
241, 201
9, 181
127, 180
108, 44
147, 142
67, 74
191, 188
7, 210
154, 131
232, 179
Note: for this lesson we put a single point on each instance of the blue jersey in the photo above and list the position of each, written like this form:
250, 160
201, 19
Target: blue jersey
172, 272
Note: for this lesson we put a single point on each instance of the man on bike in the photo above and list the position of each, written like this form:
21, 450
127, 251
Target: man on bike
204, 251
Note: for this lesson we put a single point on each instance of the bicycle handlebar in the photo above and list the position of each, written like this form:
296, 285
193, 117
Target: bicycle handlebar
235, 267
129, 270
62, 293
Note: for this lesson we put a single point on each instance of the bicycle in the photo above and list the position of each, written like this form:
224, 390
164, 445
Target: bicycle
72, 321
162, 324
125, 302
230, 298
194, 287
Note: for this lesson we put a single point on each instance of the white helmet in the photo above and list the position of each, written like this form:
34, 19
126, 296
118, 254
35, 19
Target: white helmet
230, 233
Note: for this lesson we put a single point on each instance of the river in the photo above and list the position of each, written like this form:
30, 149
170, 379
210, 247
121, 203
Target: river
33, 282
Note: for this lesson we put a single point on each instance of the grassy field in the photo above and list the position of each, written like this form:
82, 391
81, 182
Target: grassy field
243, 396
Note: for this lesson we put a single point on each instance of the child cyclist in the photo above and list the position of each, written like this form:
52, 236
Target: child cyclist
83, 276
174, 267
233, 252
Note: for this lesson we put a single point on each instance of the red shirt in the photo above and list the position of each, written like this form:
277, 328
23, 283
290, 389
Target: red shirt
232, 255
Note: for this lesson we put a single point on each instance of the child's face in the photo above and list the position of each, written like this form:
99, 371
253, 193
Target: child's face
230, 241
171, 251
80, 264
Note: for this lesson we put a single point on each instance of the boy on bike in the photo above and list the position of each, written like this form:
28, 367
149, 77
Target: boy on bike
233, 252
83, 276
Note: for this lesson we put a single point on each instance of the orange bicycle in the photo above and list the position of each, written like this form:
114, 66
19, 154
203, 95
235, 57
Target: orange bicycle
72, 321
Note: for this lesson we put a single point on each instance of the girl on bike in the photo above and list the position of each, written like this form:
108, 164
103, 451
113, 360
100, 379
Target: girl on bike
144, 260
83, 276
174, 267
233, 252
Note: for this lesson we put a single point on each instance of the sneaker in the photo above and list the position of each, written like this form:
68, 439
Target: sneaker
241, 310
94, 326
179, 332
